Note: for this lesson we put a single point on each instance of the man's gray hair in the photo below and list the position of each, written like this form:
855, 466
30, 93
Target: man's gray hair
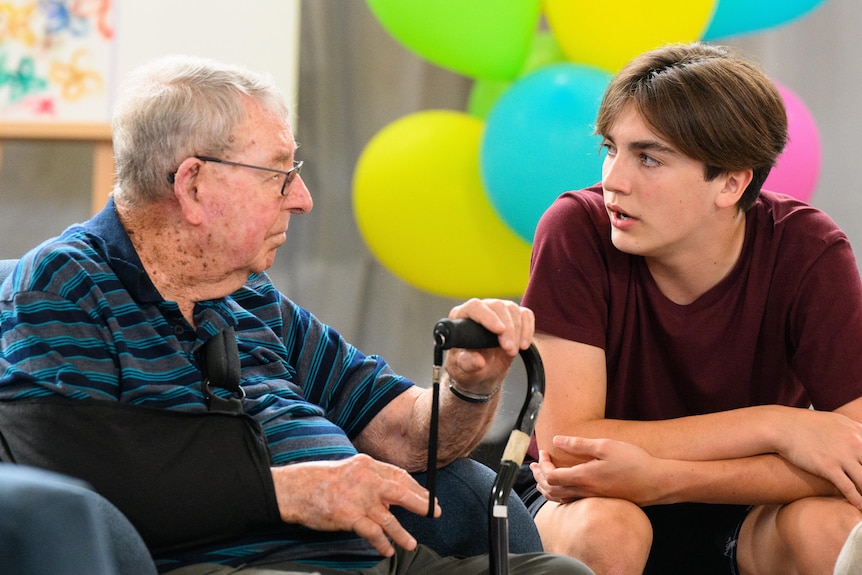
176, 107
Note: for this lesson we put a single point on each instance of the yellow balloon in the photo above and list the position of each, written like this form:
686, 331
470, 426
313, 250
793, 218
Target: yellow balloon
590, 33
420, 205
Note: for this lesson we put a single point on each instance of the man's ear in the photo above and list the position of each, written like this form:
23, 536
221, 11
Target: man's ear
186, 190
735, 184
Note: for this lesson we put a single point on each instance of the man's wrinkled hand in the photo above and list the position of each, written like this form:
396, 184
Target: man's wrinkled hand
352, 494
480, 370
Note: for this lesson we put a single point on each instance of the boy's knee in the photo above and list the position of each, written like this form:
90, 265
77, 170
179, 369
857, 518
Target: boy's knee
589, 525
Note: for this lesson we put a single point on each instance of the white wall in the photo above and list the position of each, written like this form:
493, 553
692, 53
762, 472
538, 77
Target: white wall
260, 34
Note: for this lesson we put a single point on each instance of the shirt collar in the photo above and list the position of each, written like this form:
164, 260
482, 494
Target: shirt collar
121, 255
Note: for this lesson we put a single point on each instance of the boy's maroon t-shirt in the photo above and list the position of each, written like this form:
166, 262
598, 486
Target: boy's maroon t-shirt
783, 327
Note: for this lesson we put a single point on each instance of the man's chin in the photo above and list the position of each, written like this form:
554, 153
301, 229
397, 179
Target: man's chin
265, 262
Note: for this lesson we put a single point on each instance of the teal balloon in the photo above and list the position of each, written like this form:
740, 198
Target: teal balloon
738, 17
539, 142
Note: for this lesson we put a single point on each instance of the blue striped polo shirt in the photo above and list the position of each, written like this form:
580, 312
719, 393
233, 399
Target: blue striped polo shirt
81, 319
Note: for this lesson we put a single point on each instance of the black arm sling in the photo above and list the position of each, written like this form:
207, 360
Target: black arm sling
182, 479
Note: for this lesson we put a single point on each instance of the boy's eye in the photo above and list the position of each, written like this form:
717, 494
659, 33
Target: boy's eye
649, 161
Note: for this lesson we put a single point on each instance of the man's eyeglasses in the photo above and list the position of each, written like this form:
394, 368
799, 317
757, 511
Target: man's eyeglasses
289, 175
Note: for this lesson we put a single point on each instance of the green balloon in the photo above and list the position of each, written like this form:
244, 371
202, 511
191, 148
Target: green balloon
487, 39
544, 51
484, 95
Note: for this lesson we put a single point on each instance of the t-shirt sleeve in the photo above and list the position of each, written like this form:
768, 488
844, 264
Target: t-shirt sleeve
825, 325
568, 287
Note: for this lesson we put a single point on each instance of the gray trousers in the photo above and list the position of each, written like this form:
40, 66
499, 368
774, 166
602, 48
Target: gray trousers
420, 561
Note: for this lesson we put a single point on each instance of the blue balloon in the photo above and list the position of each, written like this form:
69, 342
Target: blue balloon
539, 142
736, 17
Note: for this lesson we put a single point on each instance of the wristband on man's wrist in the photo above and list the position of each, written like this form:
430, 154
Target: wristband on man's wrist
470, 397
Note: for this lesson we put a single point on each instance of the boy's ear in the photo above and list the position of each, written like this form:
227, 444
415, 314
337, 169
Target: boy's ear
735, 184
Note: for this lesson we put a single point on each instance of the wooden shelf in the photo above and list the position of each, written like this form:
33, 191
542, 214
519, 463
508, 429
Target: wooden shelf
54, 131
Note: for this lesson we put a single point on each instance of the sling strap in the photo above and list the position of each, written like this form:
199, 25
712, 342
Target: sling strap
221, 368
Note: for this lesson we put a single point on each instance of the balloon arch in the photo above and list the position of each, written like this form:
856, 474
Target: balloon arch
539, 70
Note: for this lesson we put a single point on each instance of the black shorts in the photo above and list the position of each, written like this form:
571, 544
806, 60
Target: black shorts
688, 538
694, 538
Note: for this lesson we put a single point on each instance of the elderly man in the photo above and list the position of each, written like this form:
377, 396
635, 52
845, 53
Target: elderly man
156, 341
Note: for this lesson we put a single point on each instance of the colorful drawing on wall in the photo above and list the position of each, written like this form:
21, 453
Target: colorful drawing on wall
55, 60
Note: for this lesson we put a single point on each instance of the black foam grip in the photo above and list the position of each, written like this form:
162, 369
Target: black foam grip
464, 333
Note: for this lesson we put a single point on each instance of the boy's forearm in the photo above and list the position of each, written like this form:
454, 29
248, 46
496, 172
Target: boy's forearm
758, 480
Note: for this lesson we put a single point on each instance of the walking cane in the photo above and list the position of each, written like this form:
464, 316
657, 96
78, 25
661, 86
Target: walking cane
465, 333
